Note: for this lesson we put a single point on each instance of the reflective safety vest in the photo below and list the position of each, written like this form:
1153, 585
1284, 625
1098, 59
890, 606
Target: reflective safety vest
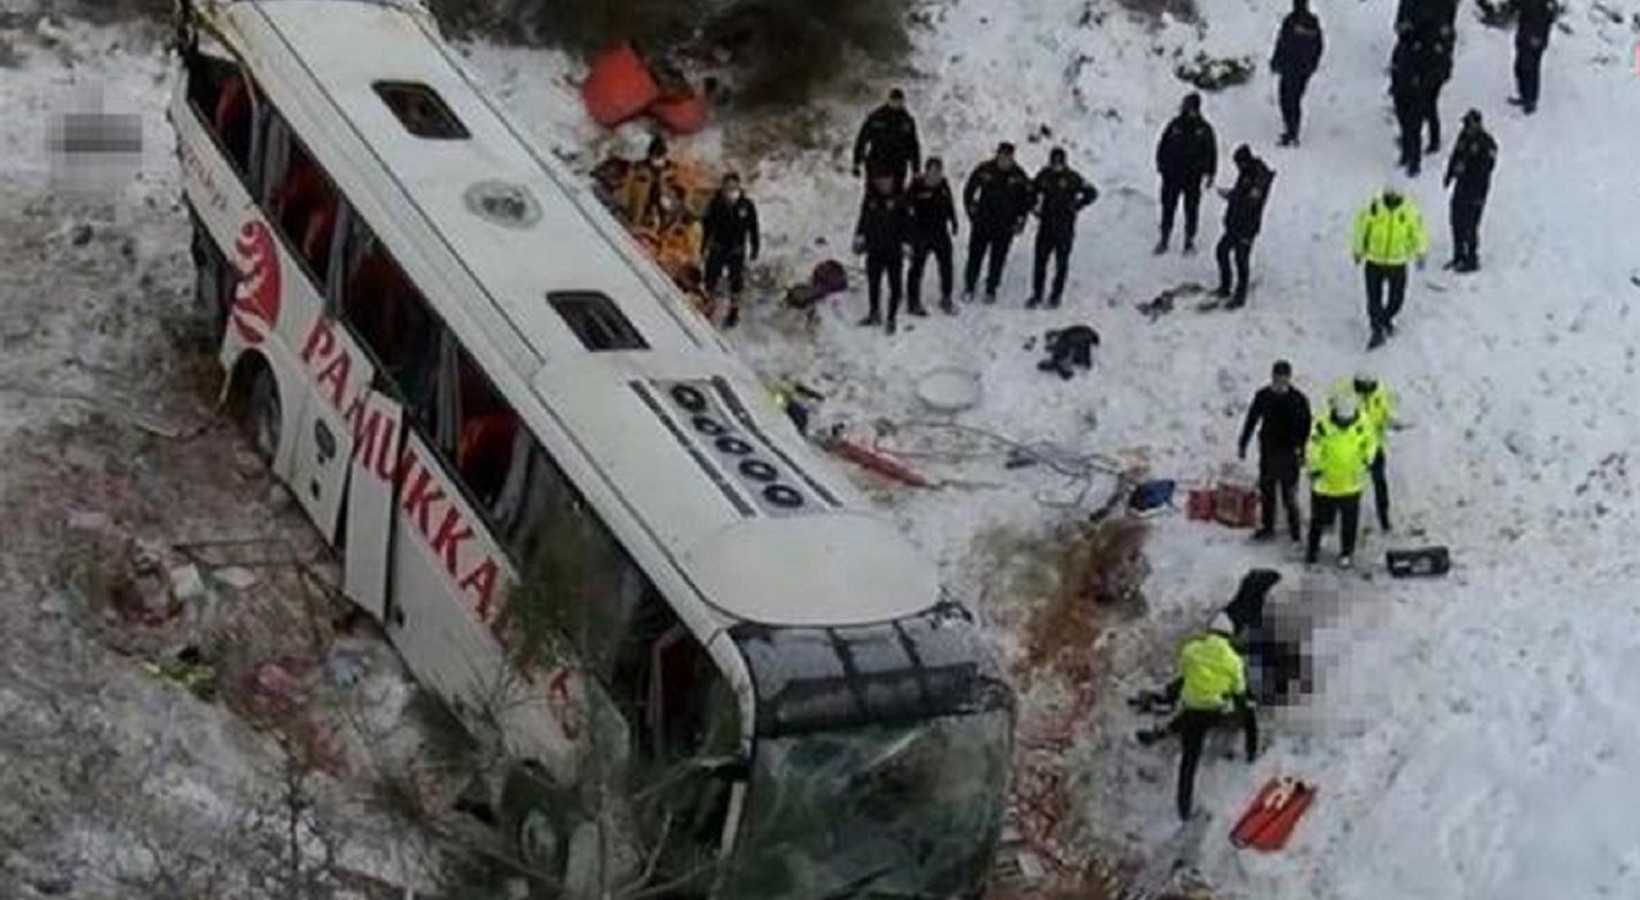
1213, 672
1390, 237
1338, 455
1377, 407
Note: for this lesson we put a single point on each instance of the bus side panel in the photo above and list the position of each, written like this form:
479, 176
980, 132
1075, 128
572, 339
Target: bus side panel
224, 206
449, 582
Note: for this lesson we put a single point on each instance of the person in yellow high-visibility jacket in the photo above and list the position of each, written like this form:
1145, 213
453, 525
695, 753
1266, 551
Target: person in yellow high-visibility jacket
1211, 687
1389, 233
1341, 448
1378, 408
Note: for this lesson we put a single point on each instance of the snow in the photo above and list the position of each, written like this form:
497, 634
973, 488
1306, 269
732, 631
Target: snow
1473, 735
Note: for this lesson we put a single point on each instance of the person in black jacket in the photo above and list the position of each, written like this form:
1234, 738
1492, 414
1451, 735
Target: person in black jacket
1061, 193
728, 229
882, 233
887, 142
1435, 64
1243, 215
1418, 15
1408, 85
1297, 54
1281, 414
1470, 169
997, 198
1536, 19
934, 222
1186, 156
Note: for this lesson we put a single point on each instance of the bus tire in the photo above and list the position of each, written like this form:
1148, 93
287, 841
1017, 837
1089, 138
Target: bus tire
539, 817
263, 413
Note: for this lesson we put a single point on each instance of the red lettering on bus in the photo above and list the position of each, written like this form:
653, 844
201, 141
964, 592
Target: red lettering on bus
366, 431
321, 341
451, 532
336, 372
419, 499
481, 581
386, 466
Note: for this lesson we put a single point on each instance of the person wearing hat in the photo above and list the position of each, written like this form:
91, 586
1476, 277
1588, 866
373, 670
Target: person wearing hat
1469, 174
934, 223
1281, 414
882, 233
1389, 233
1061, 193
1187, 155
1297, 54
1377, 407
1242, 216
887, 143
1536, 19
1341, 448
997, 198
1211, 688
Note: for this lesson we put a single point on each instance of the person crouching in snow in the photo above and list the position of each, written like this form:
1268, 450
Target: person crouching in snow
1342, 447
1211, 687
730, 228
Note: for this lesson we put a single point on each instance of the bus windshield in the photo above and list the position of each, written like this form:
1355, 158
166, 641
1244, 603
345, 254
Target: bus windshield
906, 810
881, 759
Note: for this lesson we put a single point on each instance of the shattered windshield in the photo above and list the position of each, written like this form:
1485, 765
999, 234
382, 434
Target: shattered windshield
912, 810
881, 759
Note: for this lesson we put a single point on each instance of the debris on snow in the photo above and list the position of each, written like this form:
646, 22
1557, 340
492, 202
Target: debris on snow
1210, 74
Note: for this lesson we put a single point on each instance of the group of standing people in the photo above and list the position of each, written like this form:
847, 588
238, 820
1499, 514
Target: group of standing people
909, 208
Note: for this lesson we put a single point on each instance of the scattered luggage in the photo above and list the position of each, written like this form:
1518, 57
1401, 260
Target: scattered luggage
1421, 562
619, 87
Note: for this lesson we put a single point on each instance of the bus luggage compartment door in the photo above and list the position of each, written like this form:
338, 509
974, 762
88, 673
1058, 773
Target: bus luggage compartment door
377, 444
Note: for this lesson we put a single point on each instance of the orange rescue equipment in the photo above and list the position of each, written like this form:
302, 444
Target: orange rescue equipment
619, 87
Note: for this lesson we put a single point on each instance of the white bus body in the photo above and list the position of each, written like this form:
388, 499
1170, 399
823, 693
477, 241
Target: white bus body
468, 376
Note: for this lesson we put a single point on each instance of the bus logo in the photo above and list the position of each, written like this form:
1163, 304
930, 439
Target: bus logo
256, 298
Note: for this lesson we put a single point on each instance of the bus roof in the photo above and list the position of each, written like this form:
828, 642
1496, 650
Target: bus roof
672, 430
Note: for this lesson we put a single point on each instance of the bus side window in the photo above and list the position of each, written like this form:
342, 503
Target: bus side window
390, 316
299, 197
221, 96
485, 431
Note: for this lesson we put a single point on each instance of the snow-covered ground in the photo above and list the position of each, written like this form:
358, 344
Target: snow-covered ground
1472, 736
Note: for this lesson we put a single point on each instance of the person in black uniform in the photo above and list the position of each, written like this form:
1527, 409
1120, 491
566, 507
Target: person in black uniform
1536, 19
1297, 54
1435, 63
887, 143
1408, 76
997, 198
729, 229
882, 233
1281, 415
1469, 174
1243, 215
934, 222
1186, 156
1061, 193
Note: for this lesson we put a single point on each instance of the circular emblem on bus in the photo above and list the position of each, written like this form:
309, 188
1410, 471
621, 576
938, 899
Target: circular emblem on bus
503, 203
256, 297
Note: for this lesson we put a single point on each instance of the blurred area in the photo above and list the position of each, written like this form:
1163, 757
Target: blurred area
93, 151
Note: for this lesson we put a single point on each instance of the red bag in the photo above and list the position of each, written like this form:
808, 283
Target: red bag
1199, 505
619, 86
1235, 505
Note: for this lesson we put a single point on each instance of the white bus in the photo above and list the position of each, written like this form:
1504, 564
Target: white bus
549, 479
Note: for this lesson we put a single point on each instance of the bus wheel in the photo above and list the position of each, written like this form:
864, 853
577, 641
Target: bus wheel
539, 818
262, 415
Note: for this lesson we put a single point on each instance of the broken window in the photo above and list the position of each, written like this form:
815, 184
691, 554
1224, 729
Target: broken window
596, 321
299, 198
420, 110
389, 315
221, 97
